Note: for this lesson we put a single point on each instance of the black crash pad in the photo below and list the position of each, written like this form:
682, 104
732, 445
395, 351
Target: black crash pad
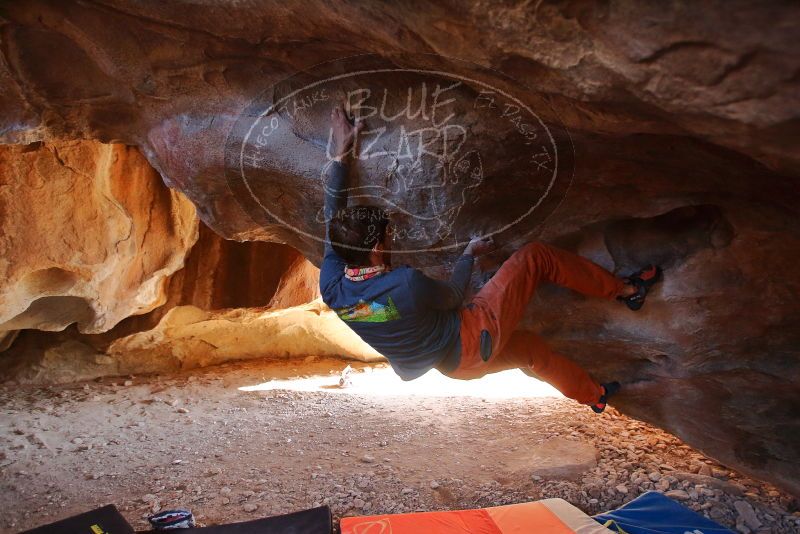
313, 521
105, 520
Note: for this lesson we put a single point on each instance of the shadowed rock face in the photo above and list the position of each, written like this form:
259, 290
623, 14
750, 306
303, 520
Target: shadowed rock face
682, 150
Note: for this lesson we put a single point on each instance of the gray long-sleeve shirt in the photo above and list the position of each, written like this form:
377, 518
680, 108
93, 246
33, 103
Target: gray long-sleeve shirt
408, 317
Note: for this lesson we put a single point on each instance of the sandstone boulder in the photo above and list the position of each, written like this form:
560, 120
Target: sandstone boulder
189, 337
217, 274
676, 125
89, 236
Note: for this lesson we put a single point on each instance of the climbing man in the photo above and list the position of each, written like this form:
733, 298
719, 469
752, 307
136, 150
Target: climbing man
419, 323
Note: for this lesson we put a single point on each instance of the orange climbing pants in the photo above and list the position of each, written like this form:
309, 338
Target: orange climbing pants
489, 342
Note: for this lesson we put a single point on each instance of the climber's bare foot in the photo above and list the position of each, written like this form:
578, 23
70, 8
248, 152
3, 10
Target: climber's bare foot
342, 132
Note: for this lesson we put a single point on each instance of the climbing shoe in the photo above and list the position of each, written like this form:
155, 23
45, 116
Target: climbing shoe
608, 390
642, 281
172, 519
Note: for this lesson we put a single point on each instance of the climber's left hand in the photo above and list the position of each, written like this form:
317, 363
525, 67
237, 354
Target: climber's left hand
343, 133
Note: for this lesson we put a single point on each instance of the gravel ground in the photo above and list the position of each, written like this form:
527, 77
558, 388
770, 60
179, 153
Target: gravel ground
195, 439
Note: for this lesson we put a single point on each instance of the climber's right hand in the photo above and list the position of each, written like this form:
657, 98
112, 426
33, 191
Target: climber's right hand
478, 246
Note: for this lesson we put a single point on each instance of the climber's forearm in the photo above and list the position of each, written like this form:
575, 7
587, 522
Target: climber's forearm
462, 271
335, 198
335, 189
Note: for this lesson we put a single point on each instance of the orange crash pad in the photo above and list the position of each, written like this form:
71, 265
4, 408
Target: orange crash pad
553, 516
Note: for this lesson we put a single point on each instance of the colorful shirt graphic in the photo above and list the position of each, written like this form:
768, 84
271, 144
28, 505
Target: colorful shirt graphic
373, 312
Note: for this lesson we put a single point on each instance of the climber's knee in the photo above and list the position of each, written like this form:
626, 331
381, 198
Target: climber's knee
533, 246
533, 249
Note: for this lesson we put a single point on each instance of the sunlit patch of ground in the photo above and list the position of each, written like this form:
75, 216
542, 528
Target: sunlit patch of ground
382, 381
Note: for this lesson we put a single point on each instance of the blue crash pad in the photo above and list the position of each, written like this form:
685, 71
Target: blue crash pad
654, 513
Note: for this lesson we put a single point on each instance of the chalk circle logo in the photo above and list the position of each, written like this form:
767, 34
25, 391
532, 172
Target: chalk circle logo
449, 151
